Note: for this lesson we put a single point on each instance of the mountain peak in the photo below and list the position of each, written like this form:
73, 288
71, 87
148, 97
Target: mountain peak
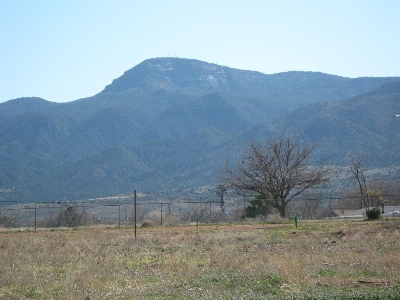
170, 73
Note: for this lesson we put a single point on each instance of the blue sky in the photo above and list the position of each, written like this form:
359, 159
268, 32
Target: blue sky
63, 50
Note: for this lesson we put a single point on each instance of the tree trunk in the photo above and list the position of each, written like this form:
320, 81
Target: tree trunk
282, 210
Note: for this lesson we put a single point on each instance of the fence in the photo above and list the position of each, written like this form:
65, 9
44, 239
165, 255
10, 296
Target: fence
123, 211
113, 213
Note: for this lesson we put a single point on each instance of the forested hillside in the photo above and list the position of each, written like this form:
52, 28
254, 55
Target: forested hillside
170, 124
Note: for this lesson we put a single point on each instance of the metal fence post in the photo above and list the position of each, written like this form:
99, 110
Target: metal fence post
35, 217
210, 212
134, 204
161, 213
119, 215
244, 208
76, 215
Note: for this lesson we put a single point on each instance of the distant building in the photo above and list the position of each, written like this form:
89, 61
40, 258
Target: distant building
390, 211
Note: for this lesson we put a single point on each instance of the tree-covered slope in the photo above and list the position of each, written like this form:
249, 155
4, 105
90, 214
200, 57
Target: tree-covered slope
169, 123
365, 124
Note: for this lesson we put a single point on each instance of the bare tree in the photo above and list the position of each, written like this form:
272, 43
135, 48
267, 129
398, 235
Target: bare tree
349, 200
221, 192
308, 207
389, 191
352, 199
198, 212
357, 169
279, 169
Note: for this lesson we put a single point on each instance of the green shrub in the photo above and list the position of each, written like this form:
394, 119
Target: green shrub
373, 213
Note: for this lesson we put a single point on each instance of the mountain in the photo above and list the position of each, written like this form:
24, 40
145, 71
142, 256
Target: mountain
363, 124
172, 123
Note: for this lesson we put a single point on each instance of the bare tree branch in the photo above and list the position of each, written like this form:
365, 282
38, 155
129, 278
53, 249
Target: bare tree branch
279, 168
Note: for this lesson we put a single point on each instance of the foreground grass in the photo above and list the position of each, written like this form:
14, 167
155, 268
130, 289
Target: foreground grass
325, 260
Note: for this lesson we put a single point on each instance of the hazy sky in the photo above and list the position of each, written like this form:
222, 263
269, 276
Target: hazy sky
63, 50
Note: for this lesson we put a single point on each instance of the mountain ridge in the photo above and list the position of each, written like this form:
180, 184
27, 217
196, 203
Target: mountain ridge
172, 123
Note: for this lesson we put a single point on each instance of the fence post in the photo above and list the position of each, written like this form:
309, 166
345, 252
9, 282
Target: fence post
210, 212
161, 213
134, 205
35, 217
76, 215
244, 208
119, 215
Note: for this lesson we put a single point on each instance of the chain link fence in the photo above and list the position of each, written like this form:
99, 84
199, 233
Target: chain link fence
121, 212
113, 213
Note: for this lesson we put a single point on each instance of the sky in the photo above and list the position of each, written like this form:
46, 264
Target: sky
64, 50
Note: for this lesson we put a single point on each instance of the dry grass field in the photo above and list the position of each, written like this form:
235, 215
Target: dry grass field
318, 260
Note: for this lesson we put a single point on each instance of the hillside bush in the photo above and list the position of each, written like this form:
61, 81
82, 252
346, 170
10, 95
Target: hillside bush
147, 223
69, 217
373, 213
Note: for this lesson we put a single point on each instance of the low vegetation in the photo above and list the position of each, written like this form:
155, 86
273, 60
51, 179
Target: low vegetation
373, 213
317, 260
